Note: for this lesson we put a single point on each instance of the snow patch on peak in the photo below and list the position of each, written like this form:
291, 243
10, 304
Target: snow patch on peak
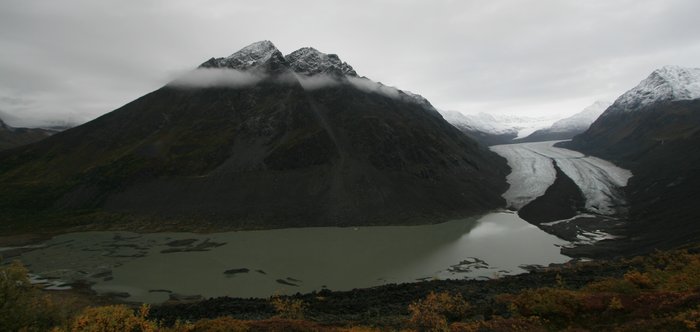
309, 61
260, 47
254, 56
582, 120
482, 122
669, 83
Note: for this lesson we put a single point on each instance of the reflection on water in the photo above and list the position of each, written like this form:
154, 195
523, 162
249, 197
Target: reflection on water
151, 267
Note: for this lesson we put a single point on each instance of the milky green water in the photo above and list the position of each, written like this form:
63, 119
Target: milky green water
286, 261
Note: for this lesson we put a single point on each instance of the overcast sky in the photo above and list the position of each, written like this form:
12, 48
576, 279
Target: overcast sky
74, 60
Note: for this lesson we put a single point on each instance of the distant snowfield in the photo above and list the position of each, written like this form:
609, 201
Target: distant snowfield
533, 172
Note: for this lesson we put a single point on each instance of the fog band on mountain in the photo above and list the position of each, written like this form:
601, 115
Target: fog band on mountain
317, 81
232, 78
217, 77
367, 85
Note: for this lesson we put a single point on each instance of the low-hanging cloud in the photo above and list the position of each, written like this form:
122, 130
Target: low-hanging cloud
226, 77
317, 81
217, 77
368, 85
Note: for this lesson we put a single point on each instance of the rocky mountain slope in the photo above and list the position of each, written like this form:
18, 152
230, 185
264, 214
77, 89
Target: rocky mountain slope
255, 140
654, 130
567, 128
11, 137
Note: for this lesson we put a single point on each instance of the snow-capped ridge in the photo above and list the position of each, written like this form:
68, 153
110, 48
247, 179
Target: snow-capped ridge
581, 120
309, 61
669, 83
482, 122
497, 124
307, 66
420, 100
262, 55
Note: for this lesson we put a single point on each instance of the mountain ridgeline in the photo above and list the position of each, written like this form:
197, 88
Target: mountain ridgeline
11, 137
654, 130
255, 140
567, 128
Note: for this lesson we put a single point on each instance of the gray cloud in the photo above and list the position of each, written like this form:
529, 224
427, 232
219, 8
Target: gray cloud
371, 86
77, 59
317, 81
226, 77
217, 77
361, 83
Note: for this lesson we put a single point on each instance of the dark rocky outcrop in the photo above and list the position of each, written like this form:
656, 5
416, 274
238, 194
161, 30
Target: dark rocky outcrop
562, 200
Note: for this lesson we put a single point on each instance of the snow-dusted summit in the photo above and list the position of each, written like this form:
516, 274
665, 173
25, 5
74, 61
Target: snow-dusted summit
262, 55
498, 124
567, 128
579, 122
309, 61
482, 122
669, 83
314, 70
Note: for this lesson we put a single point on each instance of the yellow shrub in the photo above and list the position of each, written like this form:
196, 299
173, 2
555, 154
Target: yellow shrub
288, 308
615, 304
641, 280
433, 312
545, 302
221, 324
114, 318
22, 306
690, 318
686, 279
612, 285
519, 324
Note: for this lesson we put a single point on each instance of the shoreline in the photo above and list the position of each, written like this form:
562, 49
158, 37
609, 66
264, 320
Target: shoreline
23, 238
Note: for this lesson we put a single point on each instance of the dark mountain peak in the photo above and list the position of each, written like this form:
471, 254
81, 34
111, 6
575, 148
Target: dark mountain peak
262, 55
309, 61
281, 153
265, 57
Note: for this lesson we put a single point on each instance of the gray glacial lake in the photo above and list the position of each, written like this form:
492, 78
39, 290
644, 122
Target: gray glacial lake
284, 261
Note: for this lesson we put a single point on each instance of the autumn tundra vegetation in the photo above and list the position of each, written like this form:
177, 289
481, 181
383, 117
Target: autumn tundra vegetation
658, 292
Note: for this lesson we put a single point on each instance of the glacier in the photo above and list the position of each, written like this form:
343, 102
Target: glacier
533, 172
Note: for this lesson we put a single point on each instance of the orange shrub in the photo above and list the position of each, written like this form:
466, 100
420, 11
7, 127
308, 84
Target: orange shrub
220, 324
288, 308
434, 312
641, 280
686, 279
114, 318
23, 306
612, 285
518, 324
285, 325
690, 318
545, 303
